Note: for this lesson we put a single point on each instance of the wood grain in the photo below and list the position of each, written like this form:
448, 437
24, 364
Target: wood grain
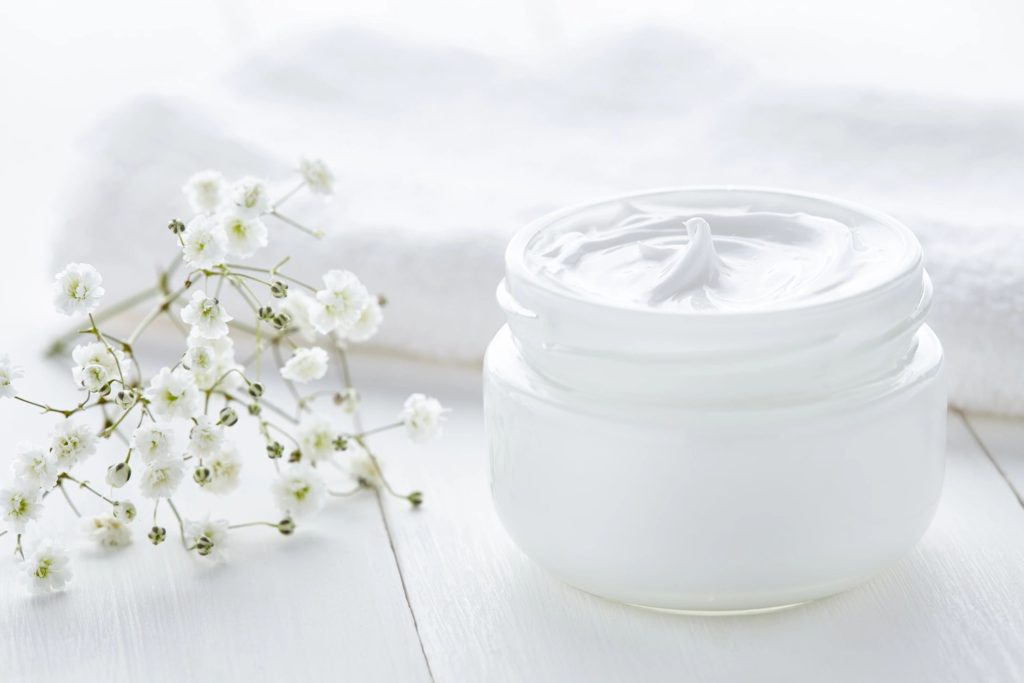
1002, 439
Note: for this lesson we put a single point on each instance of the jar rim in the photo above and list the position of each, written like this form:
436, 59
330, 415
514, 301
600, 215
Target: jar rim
518, 274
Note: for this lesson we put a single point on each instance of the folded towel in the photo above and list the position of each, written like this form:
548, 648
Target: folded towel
441, 155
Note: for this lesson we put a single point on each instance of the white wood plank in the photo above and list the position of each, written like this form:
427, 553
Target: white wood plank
325, 603
952, 610
1002, 439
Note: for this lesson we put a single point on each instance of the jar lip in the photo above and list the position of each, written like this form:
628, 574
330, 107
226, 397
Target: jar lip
516, 268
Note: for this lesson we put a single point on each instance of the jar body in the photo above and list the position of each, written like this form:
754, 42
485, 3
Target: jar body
672, 505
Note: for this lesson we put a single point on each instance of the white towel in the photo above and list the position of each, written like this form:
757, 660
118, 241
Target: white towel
442, 155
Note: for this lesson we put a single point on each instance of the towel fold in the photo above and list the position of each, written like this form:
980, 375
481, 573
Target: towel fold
441, 155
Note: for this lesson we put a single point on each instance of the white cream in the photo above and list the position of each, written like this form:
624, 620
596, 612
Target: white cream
721, 261
715, 398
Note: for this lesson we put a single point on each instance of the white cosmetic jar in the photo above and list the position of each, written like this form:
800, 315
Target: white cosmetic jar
716, 460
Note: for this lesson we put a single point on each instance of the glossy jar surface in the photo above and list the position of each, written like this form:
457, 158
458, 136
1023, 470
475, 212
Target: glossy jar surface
766, 428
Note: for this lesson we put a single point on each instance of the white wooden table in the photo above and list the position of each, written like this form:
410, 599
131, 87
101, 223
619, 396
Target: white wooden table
372, 590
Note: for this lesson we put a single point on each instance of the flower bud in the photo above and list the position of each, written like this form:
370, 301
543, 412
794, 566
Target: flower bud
295, 456
349, 400
382, 300
281, 321
341, 443
275, 450
119, 474
104, 390
265, 313
176, 226
124, 398
254, 409
124, 509
416, 498
204, 545
157, 535
202, 475
228, 417
286, 526
255, 389
278, 289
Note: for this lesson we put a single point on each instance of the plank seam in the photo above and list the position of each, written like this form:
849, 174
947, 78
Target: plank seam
401, 578
988, 454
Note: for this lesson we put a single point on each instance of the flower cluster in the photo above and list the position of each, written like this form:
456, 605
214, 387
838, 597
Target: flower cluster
175, 422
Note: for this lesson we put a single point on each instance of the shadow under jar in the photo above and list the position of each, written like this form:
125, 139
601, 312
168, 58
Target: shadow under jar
715, 399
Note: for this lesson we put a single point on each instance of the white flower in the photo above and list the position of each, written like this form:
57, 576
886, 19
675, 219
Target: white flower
316, 437
8, 373
96, 365
299, 490
173, 394
19, 505
362, 467
245, 236
205, 191
204, 244
47, 569
366, 326
206, 438
206, 316
212, 361
71, 442
77, 289
422, 416
32, 466
225, 467
341, 302
318, 177
306, 365
154, 441
300, 306
107, 530
211, 534
249, 197
161, 478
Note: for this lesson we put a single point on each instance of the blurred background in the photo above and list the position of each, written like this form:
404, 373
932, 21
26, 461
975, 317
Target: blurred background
451, 123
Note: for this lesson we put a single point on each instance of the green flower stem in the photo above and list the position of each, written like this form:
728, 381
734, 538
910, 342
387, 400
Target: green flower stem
101, 338
287, 195
245, 524
377, 430
82, 485
340, 494
103, 315
298, 226
17, 547
60, 485
181, 524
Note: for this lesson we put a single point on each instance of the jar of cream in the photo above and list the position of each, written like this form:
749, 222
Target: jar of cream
715, 399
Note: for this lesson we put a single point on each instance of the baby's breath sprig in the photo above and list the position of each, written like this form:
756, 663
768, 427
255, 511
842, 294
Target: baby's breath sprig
177, 420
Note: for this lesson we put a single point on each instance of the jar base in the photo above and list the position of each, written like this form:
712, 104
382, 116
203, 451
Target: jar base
720, 612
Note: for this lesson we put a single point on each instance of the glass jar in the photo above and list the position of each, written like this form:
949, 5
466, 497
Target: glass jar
725, 458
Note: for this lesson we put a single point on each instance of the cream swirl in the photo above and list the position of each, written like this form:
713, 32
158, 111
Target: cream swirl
714, 260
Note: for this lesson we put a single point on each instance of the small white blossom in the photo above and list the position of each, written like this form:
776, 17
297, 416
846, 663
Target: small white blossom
300, 307
245, 236
124, 510
316, 436
225, 467
306, 365
214, 531
341, 302
161, 478
317, 175
206, 316
205, 191
362, 467
366, 327
422, 417
71, 442
96, 365
154, 441
210, 361
19, 505
206, 438
9, 372
47, 569
32, 466
204, 244
77, 289
173, 394
249, 197
107, 530
299, 490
